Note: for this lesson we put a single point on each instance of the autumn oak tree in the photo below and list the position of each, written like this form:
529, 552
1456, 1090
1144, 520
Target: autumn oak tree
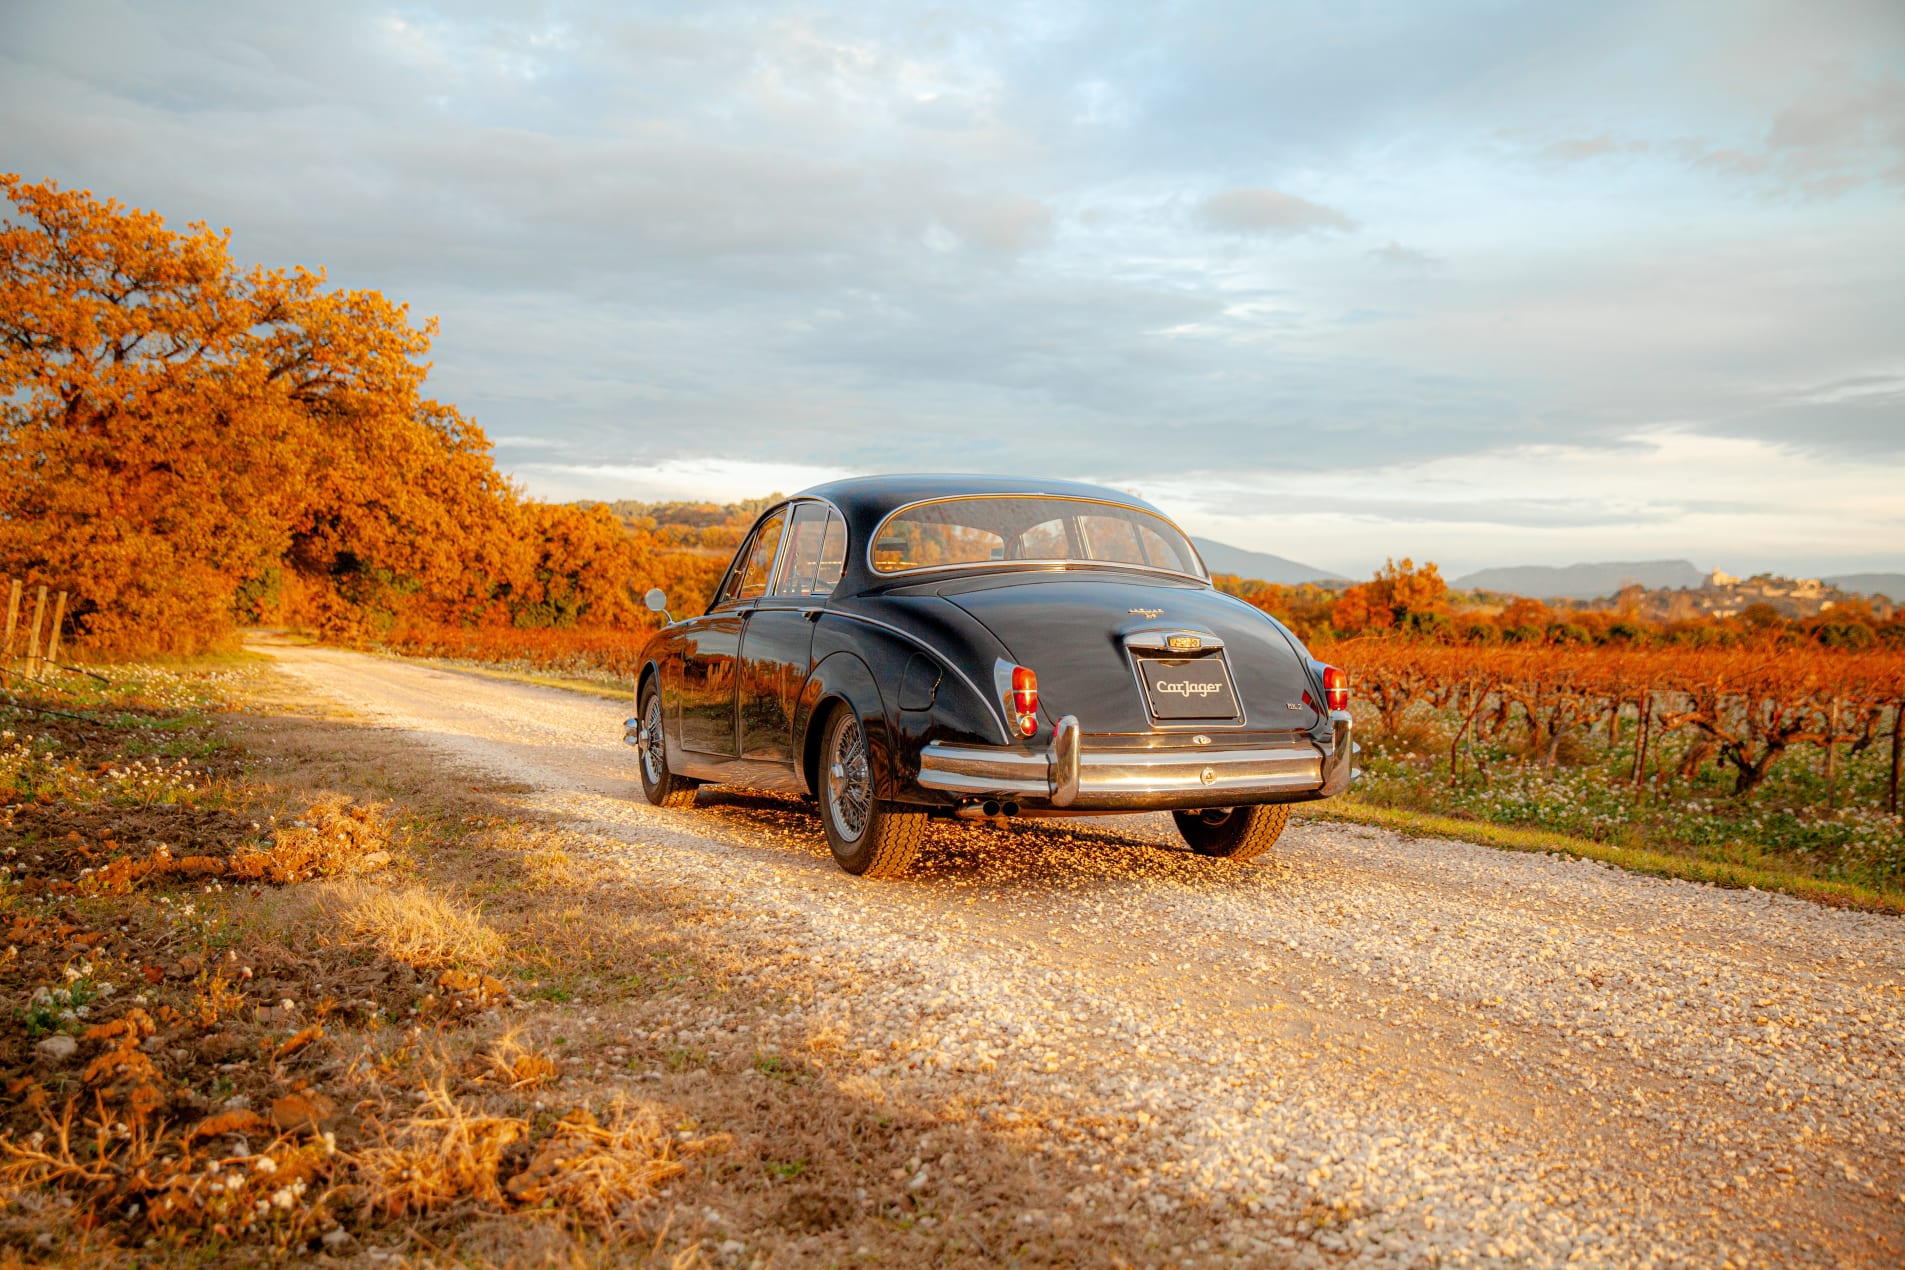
186, 445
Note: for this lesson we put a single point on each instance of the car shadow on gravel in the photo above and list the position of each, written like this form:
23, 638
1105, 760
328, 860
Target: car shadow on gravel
1057, 854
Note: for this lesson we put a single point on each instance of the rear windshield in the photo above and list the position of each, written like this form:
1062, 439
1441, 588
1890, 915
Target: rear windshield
1039, 529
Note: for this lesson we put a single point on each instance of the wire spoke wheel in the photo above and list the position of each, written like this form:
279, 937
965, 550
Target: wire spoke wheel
868, 837
654, 756
850, 780
662, 787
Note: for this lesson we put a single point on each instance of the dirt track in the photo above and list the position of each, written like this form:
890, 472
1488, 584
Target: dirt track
1428, 1051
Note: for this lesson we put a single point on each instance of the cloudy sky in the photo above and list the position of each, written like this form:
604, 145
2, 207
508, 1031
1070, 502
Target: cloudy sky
1486, 283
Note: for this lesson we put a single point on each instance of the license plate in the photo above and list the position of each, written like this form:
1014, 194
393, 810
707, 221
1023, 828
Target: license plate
1192, 688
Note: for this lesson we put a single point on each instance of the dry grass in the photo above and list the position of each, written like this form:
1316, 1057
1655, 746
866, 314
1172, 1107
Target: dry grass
447, 1152
601, 1169
510, 1063
549, 870
416, 925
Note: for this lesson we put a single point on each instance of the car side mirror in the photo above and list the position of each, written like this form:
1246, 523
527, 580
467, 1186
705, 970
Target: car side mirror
657, 599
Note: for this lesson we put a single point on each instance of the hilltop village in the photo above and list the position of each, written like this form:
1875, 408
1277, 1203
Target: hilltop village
1724, 596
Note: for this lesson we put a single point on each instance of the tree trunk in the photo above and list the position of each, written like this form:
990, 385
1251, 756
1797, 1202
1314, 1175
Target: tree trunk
1751, 774
1695, 757
1473, 700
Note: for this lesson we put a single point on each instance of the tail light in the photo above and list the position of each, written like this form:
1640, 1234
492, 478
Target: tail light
1336, 688
1024, 699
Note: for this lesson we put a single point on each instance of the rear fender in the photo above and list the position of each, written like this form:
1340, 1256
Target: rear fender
843, 679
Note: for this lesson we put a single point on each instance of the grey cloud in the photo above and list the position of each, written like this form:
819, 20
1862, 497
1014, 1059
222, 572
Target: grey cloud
1265, 211
1862, 416
881, 239
1834, 137
1577, 149
1406, 259
1005, 224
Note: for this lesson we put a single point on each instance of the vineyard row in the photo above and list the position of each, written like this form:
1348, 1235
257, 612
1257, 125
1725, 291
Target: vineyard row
1744, 709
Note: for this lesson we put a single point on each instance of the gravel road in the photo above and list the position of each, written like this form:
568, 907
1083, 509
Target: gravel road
1403, 1051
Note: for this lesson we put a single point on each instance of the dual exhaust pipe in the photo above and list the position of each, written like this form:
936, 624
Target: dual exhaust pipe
991, 809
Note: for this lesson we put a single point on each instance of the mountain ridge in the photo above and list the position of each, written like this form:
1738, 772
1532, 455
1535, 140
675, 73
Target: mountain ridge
1889, 585
1221, 557
1582, 581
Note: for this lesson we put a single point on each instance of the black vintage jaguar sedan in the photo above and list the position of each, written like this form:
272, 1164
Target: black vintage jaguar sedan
902, 647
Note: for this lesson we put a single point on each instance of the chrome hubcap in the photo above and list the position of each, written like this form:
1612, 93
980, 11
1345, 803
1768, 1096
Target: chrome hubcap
850, 781
654, 758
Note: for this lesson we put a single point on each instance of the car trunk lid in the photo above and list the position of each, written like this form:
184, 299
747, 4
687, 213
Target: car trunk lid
1086, 637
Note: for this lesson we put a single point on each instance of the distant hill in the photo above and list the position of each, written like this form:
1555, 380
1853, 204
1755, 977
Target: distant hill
1223, 558
1889, 585
1583, 581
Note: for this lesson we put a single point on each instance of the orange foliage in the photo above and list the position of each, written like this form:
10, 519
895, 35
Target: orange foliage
1399, 595
187, 446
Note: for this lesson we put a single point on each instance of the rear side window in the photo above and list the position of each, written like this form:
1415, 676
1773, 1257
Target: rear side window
806, 535
833, 556
760, 557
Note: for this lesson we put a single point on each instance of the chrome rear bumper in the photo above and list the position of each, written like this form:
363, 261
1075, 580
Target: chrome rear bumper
1070, 776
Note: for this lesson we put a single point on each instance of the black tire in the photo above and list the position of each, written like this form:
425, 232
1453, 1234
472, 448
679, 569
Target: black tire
662, 787
869, 838
1233, 833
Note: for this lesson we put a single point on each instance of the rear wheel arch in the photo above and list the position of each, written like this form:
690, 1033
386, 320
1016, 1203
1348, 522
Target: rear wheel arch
816, 733
843, 679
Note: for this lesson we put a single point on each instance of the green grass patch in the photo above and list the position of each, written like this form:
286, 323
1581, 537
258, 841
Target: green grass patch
1636, 859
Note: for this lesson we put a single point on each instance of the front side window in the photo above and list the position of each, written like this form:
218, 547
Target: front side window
984, 529
760, 557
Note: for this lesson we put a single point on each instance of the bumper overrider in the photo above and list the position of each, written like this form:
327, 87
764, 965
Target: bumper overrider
1068, 775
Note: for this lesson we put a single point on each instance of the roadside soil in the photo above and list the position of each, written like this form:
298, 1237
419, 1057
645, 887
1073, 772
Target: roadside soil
1075, 1042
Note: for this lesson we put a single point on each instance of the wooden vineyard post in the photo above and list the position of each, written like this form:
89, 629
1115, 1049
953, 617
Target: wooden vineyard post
1832, 755
13, 622
1898, 736
53, 636
33, 635
1641, 730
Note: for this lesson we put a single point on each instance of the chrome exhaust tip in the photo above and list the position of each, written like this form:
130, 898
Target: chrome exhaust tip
991, 809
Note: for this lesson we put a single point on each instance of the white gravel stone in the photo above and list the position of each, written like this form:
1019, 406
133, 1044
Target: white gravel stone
56, 1048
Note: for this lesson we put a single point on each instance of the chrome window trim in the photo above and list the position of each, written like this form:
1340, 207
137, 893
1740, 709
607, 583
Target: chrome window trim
878, 572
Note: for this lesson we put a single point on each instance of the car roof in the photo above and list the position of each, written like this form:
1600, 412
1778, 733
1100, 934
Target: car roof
867, 500
864, 500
